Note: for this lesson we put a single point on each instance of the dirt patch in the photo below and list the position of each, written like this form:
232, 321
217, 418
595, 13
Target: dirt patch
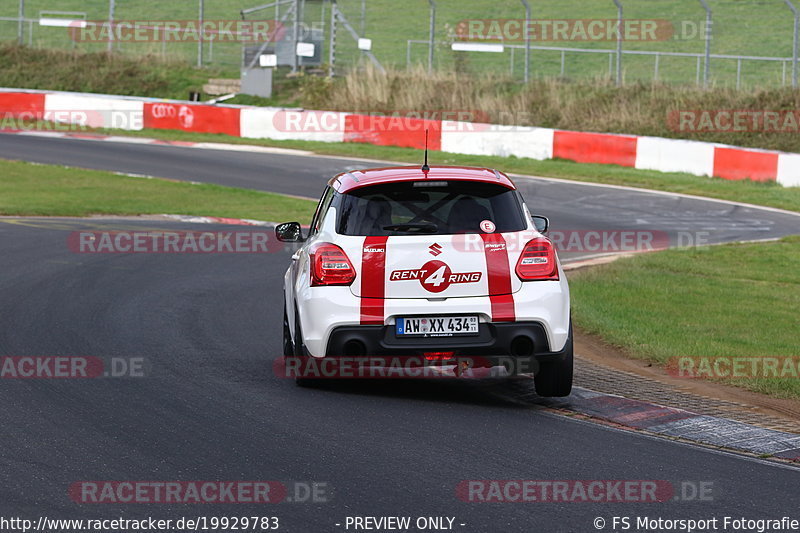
691, 394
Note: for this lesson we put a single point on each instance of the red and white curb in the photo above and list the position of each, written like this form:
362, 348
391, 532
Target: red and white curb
679, 423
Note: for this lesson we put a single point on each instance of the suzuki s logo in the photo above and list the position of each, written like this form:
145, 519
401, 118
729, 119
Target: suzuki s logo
374, 250
435, 276
435, 249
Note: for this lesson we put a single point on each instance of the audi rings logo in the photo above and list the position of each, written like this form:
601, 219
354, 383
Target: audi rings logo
164, 111
183, 113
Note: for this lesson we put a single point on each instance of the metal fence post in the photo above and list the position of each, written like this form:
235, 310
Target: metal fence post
363, 17
655, 70
200, 39
796, 14
527, 35
332, 42
619, 41
739, 73
110, 26
21, 23
295, 36
431, 35
709, 23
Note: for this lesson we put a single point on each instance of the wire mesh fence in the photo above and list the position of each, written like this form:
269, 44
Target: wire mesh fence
741, 43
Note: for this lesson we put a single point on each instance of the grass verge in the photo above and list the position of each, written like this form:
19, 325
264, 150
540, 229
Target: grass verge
49, 190
731, 300
766, 194
125, 74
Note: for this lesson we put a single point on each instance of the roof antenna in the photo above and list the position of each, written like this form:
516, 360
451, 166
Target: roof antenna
425, 167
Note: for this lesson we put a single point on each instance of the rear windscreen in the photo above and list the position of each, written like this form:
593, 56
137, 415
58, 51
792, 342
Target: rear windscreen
432, 208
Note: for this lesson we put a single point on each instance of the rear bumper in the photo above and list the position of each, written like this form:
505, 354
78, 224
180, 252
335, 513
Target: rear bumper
518, 346
541, 311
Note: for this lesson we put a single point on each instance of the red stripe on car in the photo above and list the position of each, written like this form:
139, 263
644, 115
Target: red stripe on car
373, 280
499, 274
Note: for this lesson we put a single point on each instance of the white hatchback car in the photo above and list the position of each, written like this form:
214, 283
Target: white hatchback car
439, 263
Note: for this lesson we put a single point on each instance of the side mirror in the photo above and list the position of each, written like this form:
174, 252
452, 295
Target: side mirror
542, 224
289, 232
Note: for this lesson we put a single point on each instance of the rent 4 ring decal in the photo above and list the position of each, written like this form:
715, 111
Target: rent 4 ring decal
435, 276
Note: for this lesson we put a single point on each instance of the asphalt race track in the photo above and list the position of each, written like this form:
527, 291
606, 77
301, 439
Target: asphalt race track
209, 406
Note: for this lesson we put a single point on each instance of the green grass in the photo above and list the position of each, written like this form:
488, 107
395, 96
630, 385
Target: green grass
48, 190
730, 300
767, 194
124, 74
61, 70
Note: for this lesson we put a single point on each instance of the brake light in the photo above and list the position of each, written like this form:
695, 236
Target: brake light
330, 266
438, 356
537, 261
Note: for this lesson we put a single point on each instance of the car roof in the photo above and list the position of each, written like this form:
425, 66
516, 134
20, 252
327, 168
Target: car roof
354, 179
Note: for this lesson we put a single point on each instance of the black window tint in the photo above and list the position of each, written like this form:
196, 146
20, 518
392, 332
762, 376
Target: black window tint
451, 208
322, 208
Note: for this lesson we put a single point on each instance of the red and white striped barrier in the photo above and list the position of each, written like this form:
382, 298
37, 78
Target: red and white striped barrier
19, 102
647, 153
292, 124
93, 111
504, 141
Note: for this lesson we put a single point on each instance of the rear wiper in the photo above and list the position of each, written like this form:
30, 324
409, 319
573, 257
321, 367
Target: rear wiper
413, 228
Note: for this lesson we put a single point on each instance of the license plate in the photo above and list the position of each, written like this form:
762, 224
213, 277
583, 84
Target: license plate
437, 326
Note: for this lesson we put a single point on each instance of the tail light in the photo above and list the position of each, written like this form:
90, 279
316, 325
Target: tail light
537, 261
330, 266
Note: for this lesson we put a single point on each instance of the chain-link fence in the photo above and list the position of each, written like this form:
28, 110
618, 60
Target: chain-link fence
742, 43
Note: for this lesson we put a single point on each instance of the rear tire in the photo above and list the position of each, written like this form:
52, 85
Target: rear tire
288, 346
554, 378
300, 352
